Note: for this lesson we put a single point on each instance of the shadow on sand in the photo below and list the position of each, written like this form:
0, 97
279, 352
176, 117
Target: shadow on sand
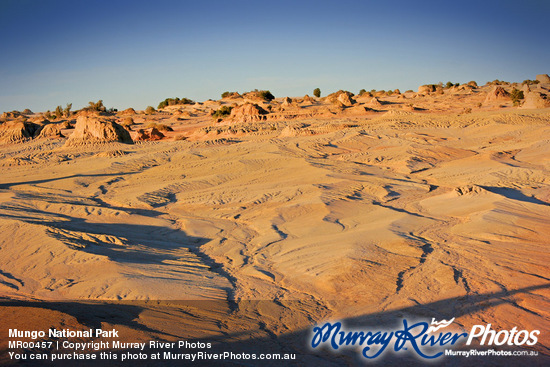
246, 340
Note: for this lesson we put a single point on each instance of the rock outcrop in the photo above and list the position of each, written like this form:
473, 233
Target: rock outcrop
248, 112
51, 131
97, 130
340, 98
534, 100
18, 131
426, 89
497, 94
151, 134
345, 99
374, 103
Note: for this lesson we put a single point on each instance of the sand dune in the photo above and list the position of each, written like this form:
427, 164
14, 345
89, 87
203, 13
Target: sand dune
357, 216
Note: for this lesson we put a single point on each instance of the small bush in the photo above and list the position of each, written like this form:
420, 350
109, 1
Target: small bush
174, 102
58, 112
27, 111
517, 96
222, 112
266, 95
448, 85
530, 82
95, 106
150, 110
159, 127
67, 110
472, 83
317, 92
362, 91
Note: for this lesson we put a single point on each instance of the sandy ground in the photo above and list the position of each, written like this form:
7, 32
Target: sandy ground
258, 235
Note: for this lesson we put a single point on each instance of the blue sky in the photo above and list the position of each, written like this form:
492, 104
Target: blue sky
136, 53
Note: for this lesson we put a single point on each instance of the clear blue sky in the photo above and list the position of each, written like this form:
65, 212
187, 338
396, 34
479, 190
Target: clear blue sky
136, 53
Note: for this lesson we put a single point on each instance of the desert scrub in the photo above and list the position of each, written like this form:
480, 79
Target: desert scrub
95, 106
150, 110
159, 127
317, 92
266, 95
517, 96
222, 112
174, 102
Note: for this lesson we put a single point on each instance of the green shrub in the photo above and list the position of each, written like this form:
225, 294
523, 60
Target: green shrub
174, 102
362, 91
222, 112
150, 110
266, 95
317, 92
225, 94
530, 82
517, 96
449, 85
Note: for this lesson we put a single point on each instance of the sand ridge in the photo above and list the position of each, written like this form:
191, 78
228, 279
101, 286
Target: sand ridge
332, 217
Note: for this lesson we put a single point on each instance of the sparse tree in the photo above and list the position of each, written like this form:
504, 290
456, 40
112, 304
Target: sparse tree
58, 112
317, 92
67, 110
